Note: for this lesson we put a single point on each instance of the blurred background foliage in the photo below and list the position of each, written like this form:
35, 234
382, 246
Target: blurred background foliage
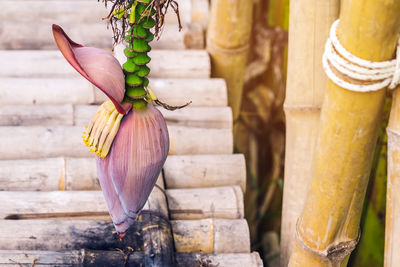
261, 125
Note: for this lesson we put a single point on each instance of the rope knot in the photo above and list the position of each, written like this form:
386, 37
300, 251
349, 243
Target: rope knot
365, 75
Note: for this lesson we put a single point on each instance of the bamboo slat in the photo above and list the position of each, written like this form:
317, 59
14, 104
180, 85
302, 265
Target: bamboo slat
183, 204
203, 236
349, 126
38, 36
93, 258
31, 142
202, 92
31, 115
310, 21
59, 11
35, 63
194, 171
203, 117
80, 115
221, 260
392, 225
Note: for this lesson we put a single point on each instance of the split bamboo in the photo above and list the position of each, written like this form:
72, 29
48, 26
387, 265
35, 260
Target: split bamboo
202, 92
392, 225
94, 258
80, 115
23, 35
59, 141
310, 21
47, 63
91, 11
228, 39
202, 117
329, 222
189, 171
183, 204
202, 236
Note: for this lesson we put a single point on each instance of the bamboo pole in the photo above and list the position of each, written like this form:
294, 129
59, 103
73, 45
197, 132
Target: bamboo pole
310, 21
202, 92
183, 204
329, 222
95, 258
80, 115
189, 171
201, 236
228, 39
51, 64
392, 225
58, 141
370, 250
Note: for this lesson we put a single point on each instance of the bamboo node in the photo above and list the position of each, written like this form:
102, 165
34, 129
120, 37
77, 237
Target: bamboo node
335, 252
362, 75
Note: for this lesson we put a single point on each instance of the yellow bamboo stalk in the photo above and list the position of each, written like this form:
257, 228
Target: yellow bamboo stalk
330, 219
392, 225
310, 21
228, 39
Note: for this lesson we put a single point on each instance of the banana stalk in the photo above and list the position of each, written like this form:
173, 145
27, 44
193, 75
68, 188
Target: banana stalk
328, 228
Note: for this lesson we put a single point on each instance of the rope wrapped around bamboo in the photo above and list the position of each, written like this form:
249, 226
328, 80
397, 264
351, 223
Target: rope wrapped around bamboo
347, 138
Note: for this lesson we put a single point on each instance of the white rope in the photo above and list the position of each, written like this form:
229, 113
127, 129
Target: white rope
377, 75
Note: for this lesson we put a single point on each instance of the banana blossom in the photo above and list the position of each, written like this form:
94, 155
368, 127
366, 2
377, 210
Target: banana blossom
131, 144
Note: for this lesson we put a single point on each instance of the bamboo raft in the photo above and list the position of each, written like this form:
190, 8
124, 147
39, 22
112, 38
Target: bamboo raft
53, 212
